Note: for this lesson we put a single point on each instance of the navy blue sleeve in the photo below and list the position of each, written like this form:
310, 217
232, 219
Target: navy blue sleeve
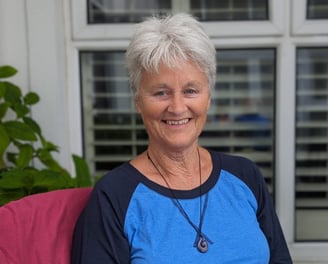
99, 232
248, 172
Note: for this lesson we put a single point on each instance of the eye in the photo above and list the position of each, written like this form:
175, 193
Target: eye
190, 91
160, 93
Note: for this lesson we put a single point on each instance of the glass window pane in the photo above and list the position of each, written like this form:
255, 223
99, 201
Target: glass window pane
317, 9
241, 117
129, 11
240, 120
229, 10
125, 11
110, 123
312, 144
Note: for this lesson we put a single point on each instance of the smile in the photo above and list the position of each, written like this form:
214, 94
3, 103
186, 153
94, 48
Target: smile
177, 122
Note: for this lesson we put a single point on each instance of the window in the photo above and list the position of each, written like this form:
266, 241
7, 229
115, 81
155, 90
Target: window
120, 11
312, 144
112, 129
113, 19
229, 10
309, 17
124, 11
241, 117
317, 9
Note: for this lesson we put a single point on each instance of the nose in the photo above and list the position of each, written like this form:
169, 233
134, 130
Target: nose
177, 104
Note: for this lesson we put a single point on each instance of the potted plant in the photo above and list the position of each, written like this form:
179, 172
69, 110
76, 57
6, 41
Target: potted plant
27, 165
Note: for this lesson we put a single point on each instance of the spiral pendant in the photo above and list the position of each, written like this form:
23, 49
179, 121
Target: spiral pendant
202, 245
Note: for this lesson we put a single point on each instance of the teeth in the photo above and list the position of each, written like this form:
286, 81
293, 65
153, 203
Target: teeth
178, 122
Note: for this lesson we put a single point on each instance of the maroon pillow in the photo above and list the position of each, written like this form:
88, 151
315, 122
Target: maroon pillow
39, 228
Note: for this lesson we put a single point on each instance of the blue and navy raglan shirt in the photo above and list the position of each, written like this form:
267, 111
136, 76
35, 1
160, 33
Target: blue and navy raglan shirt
130, 219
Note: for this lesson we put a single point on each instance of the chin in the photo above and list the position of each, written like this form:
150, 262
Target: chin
179, 145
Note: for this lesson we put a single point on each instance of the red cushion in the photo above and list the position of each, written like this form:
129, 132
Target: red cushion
39, 228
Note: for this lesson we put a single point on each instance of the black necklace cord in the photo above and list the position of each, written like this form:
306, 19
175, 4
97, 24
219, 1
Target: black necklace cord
201, 239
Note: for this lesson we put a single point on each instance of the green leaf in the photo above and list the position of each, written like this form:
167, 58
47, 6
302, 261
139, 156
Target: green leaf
20, 109
16, 178
31, 98
51, 146
7, 71
47, 159
13, 179
12, 93
25, 156
50, 179
20, 131
32, 124
82, 172
5, 140
2, 89
3, 109
48, 145
7, 196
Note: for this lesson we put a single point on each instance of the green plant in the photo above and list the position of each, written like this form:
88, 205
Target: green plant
22, 145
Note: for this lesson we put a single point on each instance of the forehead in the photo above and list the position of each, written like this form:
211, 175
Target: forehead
182, 69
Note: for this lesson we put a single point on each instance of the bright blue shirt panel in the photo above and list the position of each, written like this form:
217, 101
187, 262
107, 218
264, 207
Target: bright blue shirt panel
158, 233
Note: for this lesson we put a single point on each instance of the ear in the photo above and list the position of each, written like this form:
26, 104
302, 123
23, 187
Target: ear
137, 105
209, 102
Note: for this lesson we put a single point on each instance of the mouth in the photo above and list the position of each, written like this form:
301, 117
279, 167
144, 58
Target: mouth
177, 122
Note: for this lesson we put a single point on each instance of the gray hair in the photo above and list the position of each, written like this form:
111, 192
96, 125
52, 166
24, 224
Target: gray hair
165, 40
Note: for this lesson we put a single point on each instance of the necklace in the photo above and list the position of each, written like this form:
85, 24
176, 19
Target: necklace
201, 241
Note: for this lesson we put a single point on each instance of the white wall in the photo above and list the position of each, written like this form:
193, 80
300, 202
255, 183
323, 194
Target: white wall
32, 40
13, 42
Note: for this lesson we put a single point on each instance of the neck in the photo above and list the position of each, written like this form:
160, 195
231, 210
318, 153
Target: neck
182, 173
175, 162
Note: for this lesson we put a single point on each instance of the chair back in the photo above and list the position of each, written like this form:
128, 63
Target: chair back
39, 228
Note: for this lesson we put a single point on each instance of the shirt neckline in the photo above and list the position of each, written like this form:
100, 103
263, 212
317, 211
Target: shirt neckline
182, 194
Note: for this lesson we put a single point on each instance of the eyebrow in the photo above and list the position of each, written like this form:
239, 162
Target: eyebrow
165, 86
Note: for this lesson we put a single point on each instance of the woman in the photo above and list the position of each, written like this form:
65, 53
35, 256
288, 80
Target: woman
178, 202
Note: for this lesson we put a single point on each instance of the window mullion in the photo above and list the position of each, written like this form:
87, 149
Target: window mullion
285, 119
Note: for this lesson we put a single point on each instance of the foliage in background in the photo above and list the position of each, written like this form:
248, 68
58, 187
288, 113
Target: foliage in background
22, 145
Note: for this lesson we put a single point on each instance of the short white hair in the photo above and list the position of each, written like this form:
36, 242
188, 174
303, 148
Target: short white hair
166, 40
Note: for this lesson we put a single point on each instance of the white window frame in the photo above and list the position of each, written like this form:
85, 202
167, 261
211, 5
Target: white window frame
272, 27
303, 26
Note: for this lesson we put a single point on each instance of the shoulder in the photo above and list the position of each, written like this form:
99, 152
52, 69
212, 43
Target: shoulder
117, 185
124, 173
242, 168
236, 165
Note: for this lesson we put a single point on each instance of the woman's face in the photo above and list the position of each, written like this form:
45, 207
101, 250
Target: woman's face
173, 104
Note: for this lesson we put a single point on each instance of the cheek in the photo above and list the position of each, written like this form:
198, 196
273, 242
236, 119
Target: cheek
206, 105
142, 107
148, 110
